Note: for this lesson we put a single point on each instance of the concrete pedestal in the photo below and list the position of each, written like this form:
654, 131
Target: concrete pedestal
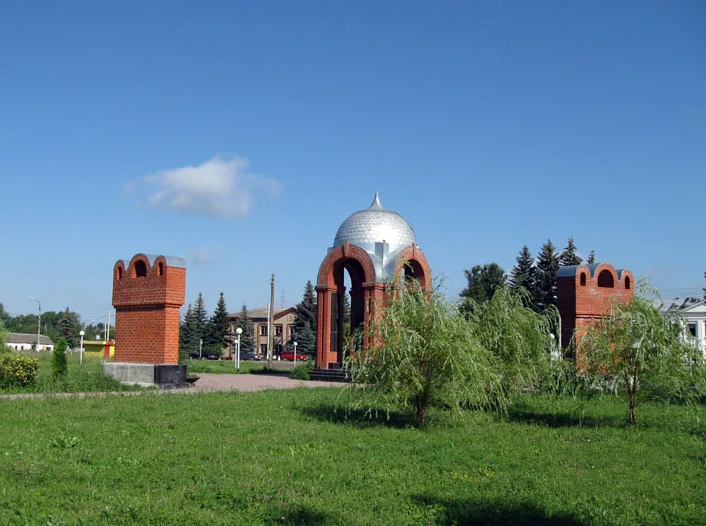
147, 375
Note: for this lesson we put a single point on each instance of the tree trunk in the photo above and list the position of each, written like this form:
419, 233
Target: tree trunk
632, 395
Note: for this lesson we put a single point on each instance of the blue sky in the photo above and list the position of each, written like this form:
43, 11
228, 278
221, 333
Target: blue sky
488, 125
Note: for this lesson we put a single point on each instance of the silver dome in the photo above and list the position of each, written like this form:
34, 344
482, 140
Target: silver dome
383, 234
375, 225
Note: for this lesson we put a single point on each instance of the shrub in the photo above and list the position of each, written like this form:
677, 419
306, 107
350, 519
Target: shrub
59, 364
18, 371
301, 372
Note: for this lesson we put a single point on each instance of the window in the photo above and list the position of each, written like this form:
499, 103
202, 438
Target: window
278, 330
627, 282
140, 269
605, 279
692, 329
583, 279
161, 268
263, 330
263, 348
120, 272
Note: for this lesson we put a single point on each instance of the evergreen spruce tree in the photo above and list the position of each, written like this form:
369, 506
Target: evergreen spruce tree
591, 257
305, 321
186, 335
569, 256
59, 364
69, 327
524, 273
247, 338
347, 309
200, 320
547, 268
218, 324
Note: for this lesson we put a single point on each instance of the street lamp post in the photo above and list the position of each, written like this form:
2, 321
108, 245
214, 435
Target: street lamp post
295, 353
39, 320
236, 357
80, 350
200, 346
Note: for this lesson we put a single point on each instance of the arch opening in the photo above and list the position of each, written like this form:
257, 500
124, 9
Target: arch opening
119, 272
627, 282
605, 279
160, 269
347, 307
140, 269
583, 279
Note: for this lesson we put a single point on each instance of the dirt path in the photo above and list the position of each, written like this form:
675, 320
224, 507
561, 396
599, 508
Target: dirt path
207, 383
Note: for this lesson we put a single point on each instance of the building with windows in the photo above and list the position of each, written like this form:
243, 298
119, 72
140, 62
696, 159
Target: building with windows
283, 327
18, 341
694, 312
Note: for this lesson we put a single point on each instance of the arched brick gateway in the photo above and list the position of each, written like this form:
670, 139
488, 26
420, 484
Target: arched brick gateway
376, 247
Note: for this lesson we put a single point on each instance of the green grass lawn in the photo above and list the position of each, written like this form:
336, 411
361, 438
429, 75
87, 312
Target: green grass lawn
85, 377
287, 457
227, 366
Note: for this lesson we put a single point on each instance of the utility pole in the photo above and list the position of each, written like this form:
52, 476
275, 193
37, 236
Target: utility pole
271, 324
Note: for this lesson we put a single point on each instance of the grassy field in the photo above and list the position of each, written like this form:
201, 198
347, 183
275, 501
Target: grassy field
227, 367
81, 378
288, 457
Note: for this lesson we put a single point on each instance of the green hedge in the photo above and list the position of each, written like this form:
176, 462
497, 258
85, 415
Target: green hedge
19, 371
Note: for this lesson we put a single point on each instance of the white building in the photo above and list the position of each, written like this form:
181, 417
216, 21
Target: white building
18, 341
694, 312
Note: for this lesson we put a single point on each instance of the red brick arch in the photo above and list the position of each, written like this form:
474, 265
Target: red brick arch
412, 255
344, 252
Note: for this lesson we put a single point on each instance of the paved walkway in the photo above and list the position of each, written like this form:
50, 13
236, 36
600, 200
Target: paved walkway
207, 383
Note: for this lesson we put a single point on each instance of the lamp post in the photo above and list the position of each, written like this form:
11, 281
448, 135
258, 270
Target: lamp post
236, 356
39, 320
295, 353
80, 350
200, 346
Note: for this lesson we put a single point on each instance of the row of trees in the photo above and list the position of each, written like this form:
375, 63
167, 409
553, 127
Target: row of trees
56, 325
536, 276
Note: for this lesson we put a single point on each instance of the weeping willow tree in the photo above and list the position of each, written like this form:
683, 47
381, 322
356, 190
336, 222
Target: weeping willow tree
422, 353
518, 338
643, 351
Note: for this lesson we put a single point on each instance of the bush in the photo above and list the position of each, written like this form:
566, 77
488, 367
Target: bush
59, 364
301, 372
18, 371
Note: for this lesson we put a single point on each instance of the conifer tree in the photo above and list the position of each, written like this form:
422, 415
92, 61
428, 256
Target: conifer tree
346, 308
200, 319
186, 335
218, 324
483, 281
591, 257
569, 256
524, 273
247, 338
59, 365
547, 268
69, 327
305, 321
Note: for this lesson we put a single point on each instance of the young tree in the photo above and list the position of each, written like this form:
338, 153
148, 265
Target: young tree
524, 273
643, 349
305, 321
59, 365
218, 324
247, 338
422, 354
591, 257
483, 281
547, 268
569, 256
4, 334
518, 338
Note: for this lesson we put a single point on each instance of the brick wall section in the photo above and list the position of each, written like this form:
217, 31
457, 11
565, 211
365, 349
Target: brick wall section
580, 306
147, 311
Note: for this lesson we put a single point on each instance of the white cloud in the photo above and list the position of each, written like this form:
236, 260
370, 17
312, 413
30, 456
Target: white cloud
218, 187
203, 256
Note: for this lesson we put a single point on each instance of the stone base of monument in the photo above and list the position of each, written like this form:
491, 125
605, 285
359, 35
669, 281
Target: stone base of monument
147, 375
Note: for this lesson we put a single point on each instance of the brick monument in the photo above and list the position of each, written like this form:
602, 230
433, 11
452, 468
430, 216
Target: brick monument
148, 292
376, 247
585, 293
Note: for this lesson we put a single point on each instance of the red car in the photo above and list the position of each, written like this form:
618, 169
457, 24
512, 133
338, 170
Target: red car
289, 355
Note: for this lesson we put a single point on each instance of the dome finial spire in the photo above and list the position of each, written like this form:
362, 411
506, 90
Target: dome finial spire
376, 204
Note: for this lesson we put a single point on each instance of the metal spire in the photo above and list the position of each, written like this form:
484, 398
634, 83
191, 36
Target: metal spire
376, 204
